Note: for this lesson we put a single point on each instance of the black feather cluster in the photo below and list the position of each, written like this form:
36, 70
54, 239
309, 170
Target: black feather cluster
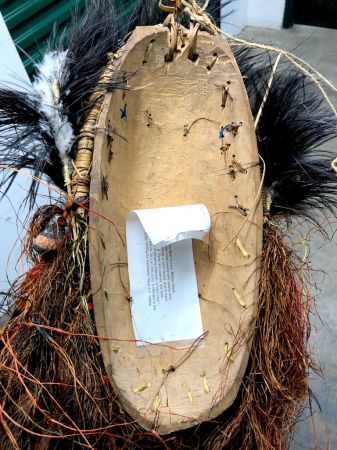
26, 136
101, 30
294, 124
26, 140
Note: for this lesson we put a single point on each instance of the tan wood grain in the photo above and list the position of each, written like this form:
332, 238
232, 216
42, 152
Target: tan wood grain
150, 162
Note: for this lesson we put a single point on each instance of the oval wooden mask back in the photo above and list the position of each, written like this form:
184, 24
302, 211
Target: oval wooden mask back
159, 143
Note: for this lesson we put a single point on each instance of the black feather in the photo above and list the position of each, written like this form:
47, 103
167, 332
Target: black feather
26, 137
26, 141
101, 29
25, 134
294, 124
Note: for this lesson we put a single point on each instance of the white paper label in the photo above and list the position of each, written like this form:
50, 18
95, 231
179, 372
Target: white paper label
165, 303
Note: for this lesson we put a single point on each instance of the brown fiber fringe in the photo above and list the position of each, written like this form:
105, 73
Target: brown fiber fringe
275, 384
54, 393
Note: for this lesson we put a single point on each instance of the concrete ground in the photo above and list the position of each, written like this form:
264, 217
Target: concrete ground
318, 47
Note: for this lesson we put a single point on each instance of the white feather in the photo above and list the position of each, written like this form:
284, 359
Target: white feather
51, 70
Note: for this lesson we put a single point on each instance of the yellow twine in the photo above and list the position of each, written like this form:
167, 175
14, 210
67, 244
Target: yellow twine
239, 299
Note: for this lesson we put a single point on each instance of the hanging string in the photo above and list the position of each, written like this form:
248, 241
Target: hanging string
270, 82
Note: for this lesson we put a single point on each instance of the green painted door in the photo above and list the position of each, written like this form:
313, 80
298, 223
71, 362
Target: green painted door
30, 23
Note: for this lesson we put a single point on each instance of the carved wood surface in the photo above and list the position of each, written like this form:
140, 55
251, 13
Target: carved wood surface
168, 152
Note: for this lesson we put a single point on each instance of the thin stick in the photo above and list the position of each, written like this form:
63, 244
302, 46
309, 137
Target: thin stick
270, 82
296, 61
253, 208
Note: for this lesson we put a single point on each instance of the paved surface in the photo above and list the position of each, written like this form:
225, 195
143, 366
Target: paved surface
317, 46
